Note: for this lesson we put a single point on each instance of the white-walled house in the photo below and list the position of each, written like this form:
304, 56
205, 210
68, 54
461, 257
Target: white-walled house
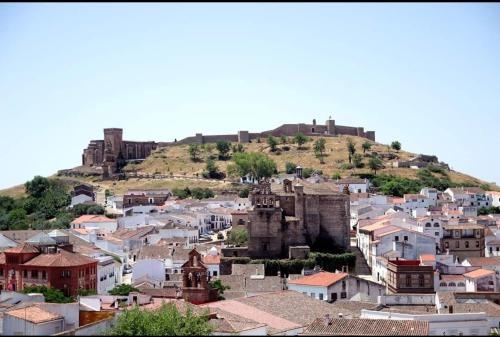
355, 185
332, 286
212, 262
80, 199
494, 196
107, 277
431, 193
480, 280
416, 201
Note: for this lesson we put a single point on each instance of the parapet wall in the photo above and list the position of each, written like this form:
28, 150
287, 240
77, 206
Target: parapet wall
329, 129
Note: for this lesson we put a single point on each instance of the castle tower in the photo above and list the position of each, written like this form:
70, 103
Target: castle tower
330, 127
113, 141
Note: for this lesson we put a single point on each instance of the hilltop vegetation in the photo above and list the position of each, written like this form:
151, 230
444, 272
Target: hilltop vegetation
337, 160
213, 166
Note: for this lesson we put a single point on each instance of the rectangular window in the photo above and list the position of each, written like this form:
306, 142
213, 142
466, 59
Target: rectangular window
25, 273
406, 238
44, 274
477, 244
457, 244
313, 295
34, 274
396, 238
343, 294
321, 296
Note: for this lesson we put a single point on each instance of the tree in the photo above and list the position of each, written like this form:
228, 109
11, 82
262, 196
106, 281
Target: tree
244, 193
272, 142
212, 171
37, 186
238, 148
366, 146
217, 284
351, 149
396, 145
300, 139
284, 139
336, 176
256, 164
122, 290
164, 321
194, 151
375, 164
223, 147
201, 193
290, 167
357, 160
51, 295
319, 149
238, 236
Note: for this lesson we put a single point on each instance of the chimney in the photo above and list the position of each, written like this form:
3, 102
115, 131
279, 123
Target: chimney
326, 320
341, 315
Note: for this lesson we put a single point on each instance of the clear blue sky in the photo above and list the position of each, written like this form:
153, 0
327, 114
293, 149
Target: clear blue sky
427, 75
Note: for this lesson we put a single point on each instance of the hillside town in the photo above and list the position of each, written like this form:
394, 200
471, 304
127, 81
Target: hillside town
297, 256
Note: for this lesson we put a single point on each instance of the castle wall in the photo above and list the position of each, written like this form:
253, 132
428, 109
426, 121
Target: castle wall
265, 228
334, 214
287, 203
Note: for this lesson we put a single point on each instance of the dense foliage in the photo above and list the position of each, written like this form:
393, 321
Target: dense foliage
223, 147
300, 139
195, 193
398, 186
238, 236
396, 145
46, 200
51, 295
319, 149
194, 151
272, 142
122, 290
290, 167
488, 210
329, 262
255, 164
164, 321
212, 171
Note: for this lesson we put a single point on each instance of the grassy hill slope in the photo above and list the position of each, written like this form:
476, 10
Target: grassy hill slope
175, 160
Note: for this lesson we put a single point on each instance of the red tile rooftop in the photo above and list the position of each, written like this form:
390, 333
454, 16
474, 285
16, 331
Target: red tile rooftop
92, 218
321, 279
479, 273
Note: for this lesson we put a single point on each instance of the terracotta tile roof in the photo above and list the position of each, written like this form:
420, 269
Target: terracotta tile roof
24, 248
321, 279
249, 312
452, 278
211, 259
34, 313
478, 273
367, 327
92, 218
124, 233
483, 261
428, 257
61, 259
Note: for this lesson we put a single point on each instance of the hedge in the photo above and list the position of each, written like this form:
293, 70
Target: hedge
328, 262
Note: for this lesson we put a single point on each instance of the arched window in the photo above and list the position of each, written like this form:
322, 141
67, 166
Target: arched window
442, 284
461, 284
421, 280
428, 224
452, 284
436, 224
466, 244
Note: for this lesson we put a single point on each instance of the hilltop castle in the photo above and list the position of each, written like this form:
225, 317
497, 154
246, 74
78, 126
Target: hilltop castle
112, 152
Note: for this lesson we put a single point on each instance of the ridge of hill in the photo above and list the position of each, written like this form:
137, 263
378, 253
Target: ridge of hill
174, 162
